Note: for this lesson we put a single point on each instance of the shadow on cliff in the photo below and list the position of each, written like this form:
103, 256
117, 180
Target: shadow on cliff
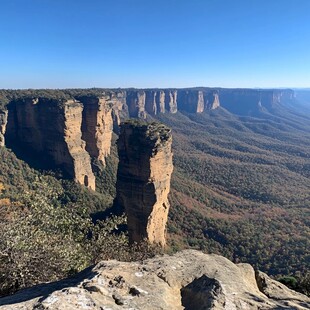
45, 289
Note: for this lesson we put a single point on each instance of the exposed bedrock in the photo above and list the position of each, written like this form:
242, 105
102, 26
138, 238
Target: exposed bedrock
136, 103
97, 126
253, 101
160, 101
52, 130
143, 179
191, 101
119, 108
150, 102
3, 123
212, 100
187, 280
171, 101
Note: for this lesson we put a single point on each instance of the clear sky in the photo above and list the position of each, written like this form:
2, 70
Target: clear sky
154, 43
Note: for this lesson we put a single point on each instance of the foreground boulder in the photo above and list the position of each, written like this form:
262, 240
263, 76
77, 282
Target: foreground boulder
187, 280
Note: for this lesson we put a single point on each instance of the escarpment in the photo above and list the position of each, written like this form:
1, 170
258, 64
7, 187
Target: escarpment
136, 103
68, 134
3, 123
143, 179
253, 101
171, 101
97, 126
51, 130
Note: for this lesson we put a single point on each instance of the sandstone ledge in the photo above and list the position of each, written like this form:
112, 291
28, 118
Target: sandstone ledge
186, 280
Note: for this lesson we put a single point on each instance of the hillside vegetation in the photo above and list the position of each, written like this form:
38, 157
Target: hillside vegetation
240, 188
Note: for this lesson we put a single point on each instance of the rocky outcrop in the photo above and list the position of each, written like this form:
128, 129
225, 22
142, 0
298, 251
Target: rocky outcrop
143, 179
150, 102
191, 101
212, 100
253, 101
97, 126
136, 103
3, 122
188, 280
160, 101
119, 108
171, 101
52, 130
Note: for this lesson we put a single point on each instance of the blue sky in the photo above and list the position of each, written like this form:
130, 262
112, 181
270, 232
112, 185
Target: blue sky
154, 43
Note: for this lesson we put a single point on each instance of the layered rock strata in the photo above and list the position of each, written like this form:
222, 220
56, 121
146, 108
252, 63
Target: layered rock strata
143, 179
52, 129
3, 123
97, 126
187, 280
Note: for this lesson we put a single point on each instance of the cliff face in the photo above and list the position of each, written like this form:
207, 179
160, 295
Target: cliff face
3, 123
212, 100
150, 102
191, 101
253, 101
171, 101
119, 107
136, 103
53, 130
143, 179
160, 101
97, 126
187, 280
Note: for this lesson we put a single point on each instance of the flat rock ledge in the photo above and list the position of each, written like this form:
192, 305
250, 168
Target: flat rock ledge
187, 280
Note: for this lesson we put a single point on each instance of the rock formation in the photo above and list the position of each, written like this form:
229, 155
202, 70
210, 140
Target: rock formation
160, 101
150, 102
212, 100
143, 179
97, 126
119, 108
191, 101
3, 122
136, 103
253, 101
52, 129
171, 101
188, 280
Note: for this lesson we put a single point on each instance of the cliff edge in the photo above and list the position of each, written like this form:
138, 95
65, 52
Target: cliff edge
187, 280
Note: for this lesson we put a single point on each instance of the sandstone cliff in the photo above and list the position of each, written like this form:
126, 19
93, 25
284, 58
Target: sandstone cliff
191, 101
143, 179
160, 101
136, 103
97, 126
171, 101
52, 130
150, 102
253, 101
188, 280
3, 123
212, 100
119, 108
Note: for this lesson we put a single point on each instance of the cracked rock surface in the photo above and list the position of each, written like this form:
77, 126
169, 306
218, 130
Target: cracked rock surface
187, 280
